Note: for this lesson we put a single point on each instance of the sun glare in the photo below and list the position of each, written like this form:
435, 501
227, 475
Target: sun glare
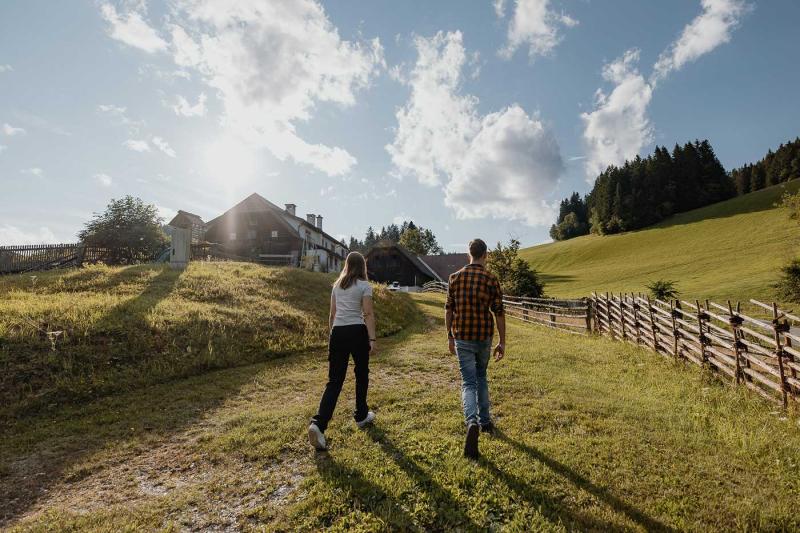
229, 160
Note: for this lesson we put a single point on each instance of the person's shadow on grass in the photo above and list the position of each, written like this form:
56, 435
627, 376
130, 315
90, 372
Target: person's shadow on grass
447, 509
364, 494
556, 509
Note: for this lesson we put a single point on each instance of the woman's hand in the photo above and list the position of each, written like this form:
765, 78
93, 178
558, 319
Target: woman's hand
373, 347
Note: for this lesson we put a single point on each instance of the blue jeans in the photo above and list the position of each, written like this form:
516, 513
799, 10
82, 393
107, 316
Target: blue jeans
473, 359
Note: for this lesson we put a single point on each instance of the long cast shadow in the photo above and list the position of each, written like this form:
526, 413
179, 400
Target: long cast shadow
549, 507
449, 510
364, 493
601, 493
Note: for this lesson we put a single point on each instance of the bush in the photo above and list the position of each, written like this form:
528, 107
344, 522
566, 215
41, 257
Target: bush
516, 276
788, 287
663, 289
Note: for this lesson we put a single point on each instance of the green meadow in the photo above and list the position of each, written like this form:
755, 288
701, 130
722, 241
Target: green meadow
729, 250
594, 435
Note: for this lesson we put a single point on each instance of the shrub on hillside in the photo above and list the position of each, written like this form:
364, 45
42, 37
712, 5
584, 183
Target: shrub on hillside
788, 287
516, 276
663, 289
130, 228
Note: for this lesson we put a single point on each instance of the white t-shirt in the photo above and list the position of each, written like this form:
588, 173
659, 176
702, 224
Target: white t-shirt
348, 303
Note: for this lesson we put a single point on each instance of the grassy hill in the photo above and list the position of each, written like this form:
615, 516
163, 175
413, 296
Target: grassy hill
69, 335
732, 249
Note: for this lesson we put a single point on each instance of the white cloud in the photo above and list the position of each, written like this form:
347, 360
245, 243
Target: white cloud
112, 109
534, 24
183, 108
33, 171
13, 235
436, 124
137, 145
512, 165
132, 29
3, 147
103, 179
10, 130
162, 145
708, 30
120, 114
618, 127
5, 68
272, 64
499, 8
501, 165
167, 213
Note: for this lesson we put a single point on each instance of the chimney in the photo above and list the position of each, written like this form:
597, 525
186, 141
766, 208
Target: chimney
310, 218
290, 208
319, 222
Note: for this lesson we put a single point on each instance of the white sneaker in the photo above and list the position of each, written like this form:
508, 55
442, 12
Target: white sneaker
367, 420
316, 438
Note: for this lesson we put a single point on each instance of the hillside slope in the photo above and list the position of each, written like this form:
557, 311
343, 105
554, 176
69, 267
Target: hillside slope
732, 249
69, 335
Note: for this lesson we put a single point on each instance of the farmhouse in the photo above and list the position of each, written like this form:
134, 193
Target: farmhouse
259, 230
392, 262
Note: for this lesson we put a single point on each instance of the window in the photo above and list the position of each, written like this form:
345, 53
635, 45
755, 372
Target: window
274, 234
233, 235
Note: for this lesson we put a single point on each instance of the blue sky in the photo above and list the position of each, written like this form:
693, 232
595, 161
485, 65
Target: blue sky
471, 118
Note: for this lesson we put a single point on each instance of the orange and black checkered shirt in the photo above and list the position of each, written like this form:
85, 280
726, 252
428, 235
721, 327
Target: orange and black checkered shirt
473, 295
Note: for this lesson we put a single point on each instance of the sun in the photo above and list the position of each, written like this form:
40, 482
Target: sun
229, 160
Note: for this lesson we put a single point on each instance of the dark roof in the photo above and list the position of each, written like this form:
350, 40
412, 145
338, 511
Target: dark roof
411, 256
256, 202
445, 264
185, 219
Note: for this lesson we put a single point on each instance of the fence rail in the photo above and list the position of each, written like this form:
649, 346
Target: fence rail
763, 354
571, 316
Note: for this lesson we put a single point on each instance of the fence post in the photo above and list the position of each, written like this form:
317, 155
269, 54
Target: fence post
635, 307
653, 331
621, 316
779, 328
735, 322
792, 389
702, 336
589, 315
675, 332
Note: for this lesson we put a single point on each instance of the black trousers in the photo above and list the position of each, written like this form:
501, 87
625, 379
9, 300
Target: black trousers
344, 342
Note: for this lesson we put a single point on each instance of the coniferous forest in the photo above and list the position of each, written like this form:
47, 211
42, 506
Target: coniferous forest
645, 191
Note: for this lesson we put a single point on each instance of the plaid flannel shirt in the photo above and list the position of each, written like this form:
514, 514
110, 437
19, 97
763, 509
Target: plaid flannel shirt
473, 295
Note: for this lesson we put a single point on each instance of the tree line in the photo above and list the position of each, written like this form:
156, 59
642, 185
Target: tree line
417, 239
647, 190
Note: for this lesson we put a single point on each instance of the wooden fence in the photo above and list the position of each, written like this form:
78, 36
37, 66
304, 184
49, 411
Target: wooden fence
571, 316
763, 354
30, 258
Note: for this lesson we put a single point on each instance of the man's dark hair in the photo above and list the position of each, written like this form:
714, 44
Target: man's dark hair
477, 248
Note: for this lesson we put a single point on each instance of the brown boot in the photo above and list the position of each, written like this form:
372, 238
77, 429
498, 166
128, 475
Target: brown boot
471, 442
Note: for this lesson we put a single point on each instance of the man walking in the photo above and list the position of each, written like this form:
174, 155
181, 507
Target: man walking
473, 296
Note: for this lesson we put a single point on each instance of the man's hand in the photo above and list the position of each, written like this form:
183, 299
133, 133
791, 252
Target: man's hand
373, 348
499, 351
452, 343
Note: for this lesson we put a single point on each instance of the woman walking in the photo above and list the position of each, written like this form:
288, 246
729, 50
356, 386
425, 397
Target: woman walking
352, 332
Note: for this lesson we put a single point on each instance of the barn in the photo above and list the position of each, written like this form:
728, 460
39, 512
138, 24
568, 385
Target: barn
259, 230
388, 263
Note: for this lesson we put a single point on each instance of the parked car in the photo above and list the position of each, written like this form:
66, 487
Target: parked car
394, 286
